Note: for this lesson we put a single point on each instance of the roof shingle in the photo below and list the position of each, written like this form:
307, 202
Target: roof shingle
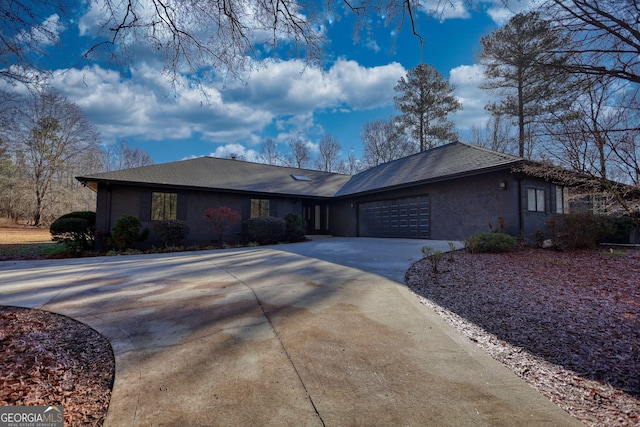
446, 161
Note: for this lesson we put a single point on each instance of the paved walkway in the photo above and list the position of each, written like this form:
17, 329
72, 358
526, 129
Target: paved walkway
285, 335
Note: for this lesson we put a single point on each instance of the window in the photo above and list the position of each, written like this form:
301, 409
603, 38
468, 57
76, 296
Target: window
259, 208
600, 204
535, 200
164, 206
562, 202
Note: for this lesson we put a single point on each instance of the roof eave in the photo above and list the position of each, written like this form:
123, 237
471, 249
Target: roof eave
434, 180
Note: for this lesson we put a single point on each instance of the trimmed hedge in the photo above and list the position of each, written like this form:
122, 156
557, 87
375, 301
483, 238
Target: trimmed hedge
75, 229
264, 230
491, 243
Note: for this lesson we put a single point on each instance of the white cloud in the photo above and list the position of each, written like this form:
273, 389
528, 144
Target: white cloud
453, 9
501, 11
42, 35
283, 94
467, 79
236, 150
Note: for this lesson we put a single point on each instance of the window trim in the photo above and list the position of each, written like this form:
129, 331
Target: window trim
536, 200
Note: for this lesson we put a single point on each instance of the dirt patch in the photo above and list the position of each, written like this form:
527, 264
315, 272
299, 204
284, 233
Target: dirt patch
568, 323
24, 235
49, 359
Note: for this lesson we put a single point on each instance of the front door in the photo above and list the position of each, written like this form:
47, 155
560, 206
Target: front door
316, 217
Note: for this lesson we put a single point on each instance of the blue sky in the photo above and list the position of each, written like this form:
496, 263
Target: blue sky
281, 99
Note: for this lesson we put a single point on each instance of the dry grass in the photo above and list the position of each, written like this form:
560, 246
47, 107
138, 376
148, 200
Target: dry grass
24, 242
24, 235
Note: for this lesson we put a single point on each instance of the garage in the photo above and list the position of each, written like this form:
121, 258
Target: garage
407, 217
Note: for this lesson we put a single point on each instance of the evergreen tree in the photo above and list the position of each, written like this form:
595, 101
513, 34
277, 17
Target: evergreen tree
522, 67
424, 100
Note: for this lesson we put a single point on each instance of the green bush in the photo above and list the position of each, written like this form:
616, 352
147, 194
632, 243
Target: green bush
620, 227
295, 229
172, 232
126, 232
75, 229
264, 230
490, 242
577, 231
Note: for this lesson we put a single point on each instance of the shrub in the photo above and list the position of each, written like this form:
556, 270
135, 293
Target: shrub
576, 231
433, 255
172, 232
295, 229
126, 232
75, 229
620, 228
490, 242
264, 230
222, 219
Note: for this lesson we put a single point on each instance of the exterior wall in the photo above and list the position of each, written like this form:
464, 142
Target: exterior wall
115, 201
459, 207
344, 218
470, 205
534, 221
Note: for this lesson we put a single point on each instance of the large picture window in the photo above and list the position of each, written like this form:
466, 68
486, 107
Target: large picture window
535, 200
164, 206
259, 208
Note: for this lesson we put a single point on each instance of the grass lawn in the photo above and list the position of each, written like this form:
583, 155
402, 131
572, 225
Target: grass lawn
26, 243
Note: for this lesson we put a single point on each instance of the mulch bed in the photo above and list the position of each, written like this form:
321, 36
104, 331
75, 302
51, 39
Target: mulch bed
568, 323
49, 359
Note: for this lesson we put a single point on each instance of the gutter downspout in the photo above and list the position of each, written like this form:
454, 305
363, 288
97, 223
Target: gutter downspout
520, 212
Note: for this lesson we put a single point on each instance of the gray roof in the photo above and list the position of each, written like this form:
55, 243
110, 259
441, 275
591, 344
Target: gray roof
229, 175
444, 162
447, 161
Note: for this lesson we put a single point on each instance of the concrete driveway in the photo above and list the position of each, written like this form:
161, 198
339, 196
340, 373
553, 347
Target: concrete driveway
316, 333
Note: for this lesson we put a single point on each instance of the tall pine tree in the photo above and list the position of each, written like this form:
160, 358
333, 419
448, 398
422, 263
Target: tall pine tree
522, 67
424, 100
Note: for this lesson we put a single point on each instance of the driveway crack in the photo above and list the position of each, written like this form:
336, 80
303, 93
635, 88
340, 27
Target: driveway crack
284, 348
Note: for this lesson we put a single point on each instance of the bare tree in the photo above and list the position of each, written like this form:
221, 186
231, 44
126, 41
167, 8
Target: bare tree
424, 100
28, 28
329, 149
383, 142
122, 156
604, 36
202, 37
599, 136
299, 151
496, 135
52, 133
269, 153
351, 166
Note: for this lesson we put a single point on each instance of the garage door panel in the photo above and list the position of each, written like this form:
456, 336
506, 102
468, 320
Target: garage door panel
406, 217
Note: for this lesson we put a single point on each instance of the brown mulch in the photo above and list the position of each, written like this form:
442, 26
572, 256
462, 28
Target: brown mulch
568, 323
49, 359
